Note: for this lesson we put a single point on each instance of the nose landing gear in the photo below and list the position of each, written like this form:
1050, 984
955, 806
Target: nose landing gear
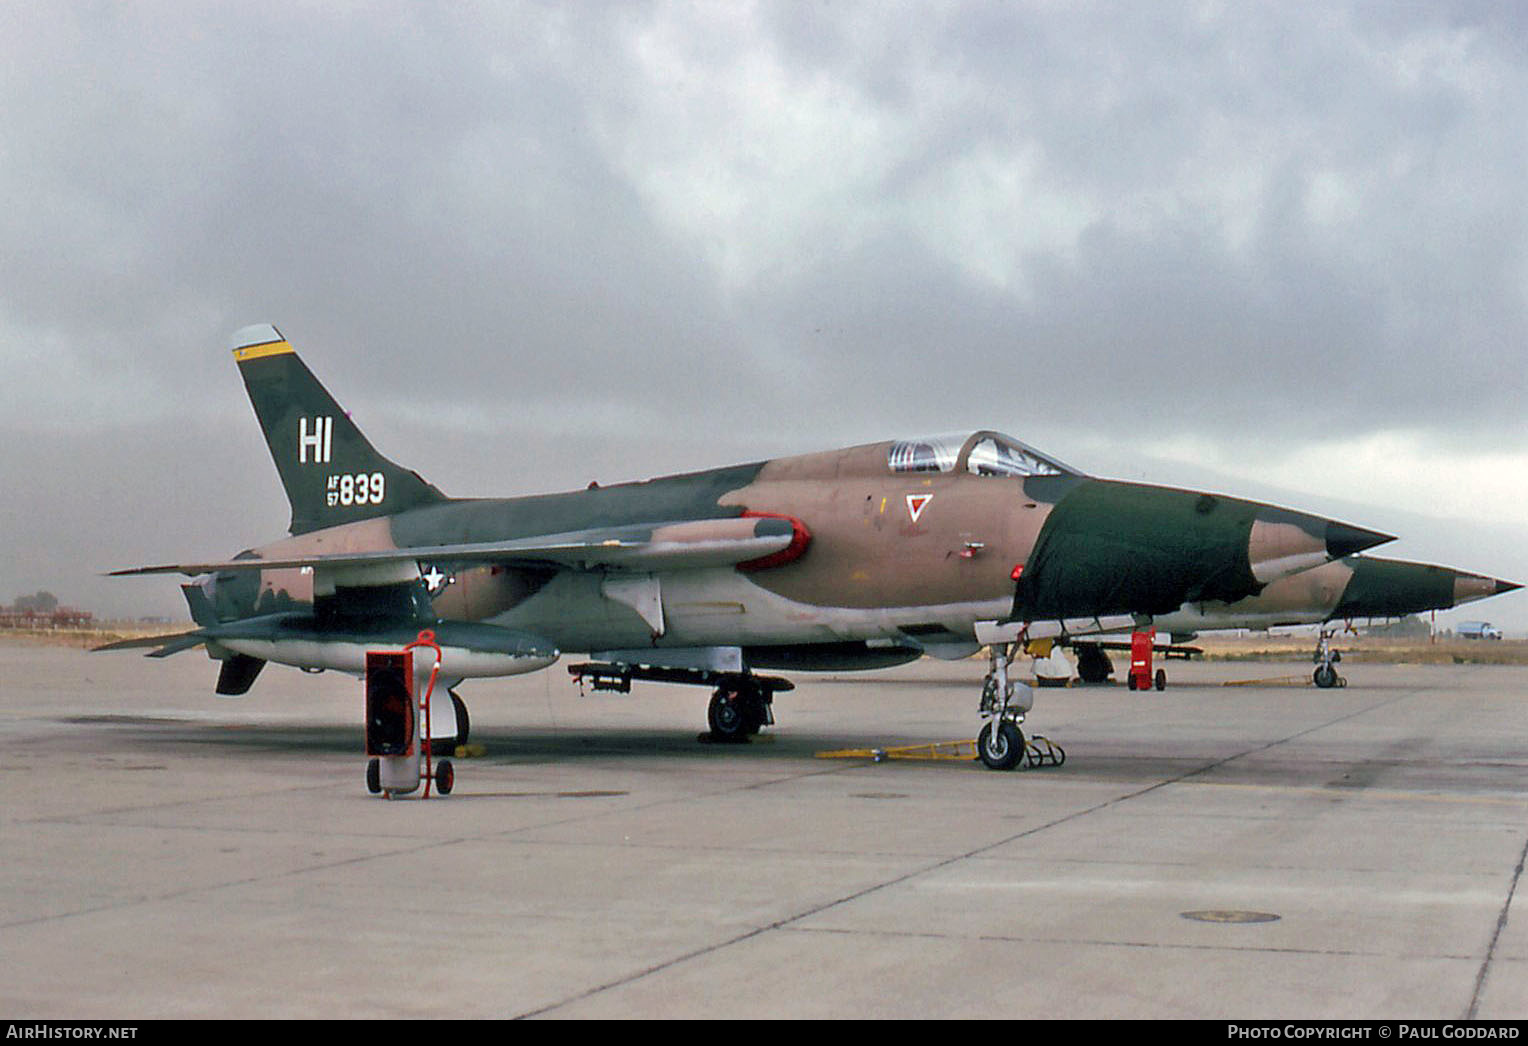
1005, 700
1325, 676
1001, 745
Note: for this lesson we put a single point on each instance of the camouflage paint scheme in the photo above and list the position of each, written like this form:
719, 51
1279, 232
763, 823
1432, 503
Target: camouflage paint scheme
1354, 588
858, 557
1357, 587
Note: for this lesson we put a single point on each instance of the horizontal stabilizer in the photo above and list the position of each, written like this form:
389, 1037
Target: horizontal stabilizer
163, 646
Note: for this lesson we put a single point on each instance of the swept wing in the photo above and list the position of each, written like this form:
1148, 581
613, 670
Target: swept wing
669, 546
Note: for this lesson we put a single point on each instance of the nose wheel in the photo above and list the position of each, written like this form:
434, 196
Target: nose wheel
1000, 745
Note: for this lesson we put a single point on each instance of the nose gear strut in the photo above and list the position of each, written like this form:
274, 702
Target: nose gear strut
1325, 675
1001, 744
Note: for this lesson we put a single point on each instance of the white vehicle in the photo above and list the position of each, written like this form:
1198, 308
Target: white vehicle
1477, 630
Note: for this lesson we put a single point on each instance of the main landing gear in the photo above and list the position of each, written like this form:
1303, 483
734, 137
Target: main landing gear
1093, 664
741, 705
739, 710
448, 745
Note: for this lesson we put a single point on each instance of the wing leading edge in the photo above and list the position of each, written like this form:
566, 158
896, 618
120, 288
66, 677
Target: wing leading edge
740, 541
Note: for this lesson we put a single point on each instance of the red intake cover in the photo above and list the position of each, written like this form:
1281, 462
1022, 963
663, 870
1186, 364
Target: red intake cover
800, 539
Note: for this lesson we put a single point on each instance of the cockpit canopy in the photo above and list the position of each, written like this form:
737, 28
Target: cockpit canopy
982, 453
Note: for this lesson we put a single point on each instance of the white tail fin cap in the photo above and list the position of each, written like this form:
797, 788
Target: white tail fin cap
256, 334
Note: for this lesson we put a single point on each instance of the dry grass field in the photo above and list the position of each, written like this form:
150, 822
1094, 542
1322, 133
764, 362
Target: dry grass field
1259, 646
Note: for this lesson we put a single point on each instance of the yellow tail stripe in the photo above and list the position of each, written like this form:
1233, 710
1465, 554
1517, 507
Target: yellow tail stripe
255, 352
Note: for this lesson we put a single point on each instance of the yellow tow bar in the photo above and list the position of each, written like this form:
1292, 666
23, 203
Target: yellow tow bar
1038, 751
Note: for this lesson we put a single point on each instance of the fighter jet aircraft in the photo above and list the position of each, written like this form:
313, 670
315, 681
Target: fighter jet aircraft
849, 559
1350, 589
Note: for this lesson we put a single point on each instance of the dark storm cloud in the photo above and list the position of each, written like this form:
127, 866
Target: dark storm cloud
1198, 339
420, 193
1285, 218
1251, 191
625, 239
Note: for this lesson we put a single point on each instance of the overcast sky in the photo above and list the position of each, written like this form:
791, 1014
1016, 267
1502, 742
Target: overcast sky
1279, 250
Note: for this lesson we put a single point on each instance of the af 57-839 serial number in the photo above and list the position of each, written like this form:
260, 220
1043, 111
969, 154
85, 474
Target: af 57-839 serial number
361, 488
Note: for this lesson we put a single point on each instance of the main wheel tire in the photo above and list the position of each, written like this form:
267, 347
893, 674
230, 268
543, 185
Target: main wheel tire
1000, 749
755, 711
727, 715
1093, 665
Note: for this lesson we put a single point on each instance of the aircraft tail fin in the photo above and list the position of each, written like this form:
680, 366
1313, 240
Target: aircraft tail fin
331, 472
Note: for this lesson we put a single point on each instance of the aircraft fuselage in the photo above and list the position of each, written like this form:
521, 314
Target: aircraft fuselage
907, 559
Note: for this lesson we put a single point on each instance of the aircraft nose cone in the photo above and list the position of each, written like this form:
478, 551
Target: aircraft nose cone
1343, 539
1112, 548
1470, 587
1284, 542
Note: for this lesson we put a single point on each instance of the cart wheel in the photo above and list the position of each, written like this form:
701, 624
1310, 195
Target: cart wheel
374, 776
1161, 679
445, 776
1130, 681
